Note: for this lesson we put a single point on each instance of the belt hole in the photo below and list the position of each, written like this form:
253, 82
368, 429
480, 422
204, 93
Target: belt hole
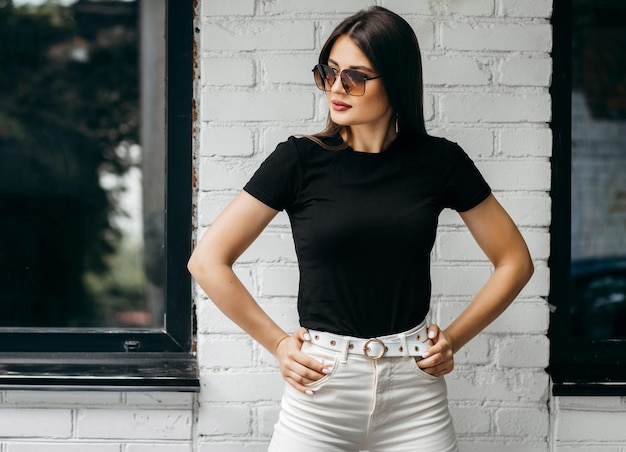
333, 343
386, 349
351, 346
401, 348
417, 349
317, 338
418, 337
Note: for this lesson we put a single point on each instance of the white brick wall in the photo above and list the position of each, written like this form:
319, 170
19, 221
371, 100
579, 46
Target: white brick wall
487, 69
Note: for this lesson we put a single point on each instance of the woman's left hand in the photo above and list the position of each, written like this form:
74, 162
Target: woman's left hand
438, 360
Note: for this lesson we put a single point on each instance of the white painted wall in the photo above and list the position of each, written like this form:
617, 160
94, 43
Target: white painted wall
487, 69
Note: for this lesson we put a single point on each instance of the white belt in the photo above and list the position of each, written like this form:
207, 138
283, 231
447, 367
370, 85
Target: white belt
411, 343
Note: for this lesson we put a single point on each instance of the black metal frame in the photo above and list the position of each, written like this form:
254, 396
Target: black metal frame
36, 352
578, 365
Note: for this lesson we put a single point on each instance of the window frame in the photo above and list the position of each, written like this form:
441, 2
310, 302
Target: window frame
579, 366
132, 358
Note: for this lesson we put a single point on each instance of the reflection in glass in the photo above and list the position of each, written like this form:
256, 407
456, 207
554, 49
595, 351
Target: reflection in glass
81, 188
598, 251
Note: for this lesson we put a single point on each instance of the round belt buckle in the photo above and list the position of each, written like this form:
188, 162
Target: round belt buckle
366, 349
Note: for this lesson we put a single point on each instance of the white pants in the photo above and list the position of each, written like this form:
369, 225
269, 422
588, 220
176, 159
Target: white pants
387, 405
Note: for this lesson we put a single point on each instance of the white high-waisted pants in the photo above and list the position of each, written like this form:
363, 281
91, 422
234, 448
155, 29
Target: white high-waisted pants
388, 405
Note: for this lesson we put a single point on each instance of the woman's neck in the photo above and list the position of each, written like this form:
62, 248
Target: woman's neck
369, 139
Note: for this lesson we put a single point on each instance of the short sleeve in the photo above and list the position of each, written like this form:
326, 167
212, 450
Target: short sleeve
275, 183
464, 185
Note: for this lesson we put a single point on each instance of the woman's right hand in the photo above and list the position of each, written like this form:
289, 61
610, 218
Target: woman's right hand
297, 368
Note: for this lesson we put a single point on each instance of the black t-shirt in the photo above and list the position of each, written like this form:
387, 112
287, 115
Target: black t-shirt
364, 225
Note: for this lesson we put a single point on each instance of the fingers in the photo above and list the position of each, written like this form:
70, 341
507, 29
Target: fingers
438, 360
297, 368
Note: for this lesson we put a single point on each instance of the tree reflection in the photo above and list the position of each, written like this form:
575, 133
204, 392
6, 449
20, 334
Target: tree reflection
69, 115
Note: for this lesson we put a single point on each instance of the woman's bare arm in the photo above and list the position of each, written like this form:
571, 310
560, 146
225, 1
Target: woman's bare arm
211, 266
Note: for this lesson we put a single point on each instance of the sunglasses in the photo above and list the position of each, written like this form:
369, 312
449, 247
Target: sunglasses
352, 81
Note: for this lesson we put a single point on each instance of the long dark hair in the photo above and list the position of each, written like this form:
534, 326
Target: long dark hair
390, 44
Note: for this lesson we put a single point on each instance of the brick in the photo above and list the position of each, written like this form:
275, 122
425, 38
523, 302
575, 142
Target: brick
257, 106
455, 70
240, 387
232, 352
226, 141
499, 445
159, 399
63, 446
346, 7
285, 315
227, 71
526, 72
134, 424
523, 351
525, 142
497, 37
528, 210
517, 175
459, 246
471, 8
602, 447
221, 175
35, 423
251, 446
290, 69
496, 107
470, 419
518, 318
238, 8
212, 320
280, 281
152, 447
522, 422
268, 415
591, 426
258, 35
466, 280
527, 8
224, 419
477, 351
485, 385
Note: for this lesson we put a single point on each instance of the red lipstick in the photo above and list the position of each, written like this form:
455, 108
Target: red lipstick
340, 106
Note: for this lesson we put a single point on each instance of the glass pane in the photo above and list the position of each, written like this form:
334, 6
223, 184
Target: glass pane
81, 164
599, 169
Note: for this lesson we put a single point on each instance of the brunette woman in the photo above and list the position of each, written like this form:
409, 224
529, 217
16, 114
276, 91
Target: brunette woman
365, 371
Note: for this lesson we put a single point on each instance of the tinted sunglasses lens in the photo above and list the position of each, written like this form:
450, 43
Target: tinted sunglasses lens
324, 77
353, 82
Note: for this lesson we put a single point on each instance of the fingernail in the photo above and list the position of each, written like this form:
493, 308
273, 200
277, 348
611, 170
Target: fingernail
425, 355
307, 337
325, 371
308, 392
431, 334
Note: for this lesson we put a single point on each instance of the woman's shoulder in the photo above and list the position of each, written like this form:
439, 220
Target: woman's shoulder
436, 147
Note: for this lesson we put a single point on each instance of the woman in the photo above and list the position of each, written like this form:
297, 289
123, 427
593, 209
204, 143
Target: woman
365, 370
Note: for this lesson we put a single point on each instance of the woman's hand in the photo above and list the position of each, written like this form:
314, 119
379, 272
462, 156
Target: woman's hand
297, 368
438, 360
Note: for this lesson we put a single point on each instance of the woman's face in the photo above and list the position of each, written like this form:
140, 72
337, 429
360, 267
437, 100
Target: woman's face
373, 108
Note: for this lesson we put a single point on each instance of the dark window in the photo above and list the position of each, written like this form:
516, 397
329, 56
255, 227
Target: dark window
95, 210
588, 259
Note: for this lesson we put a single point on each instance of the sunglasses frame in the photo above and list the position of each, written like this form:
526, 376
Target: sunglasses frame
317, 72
